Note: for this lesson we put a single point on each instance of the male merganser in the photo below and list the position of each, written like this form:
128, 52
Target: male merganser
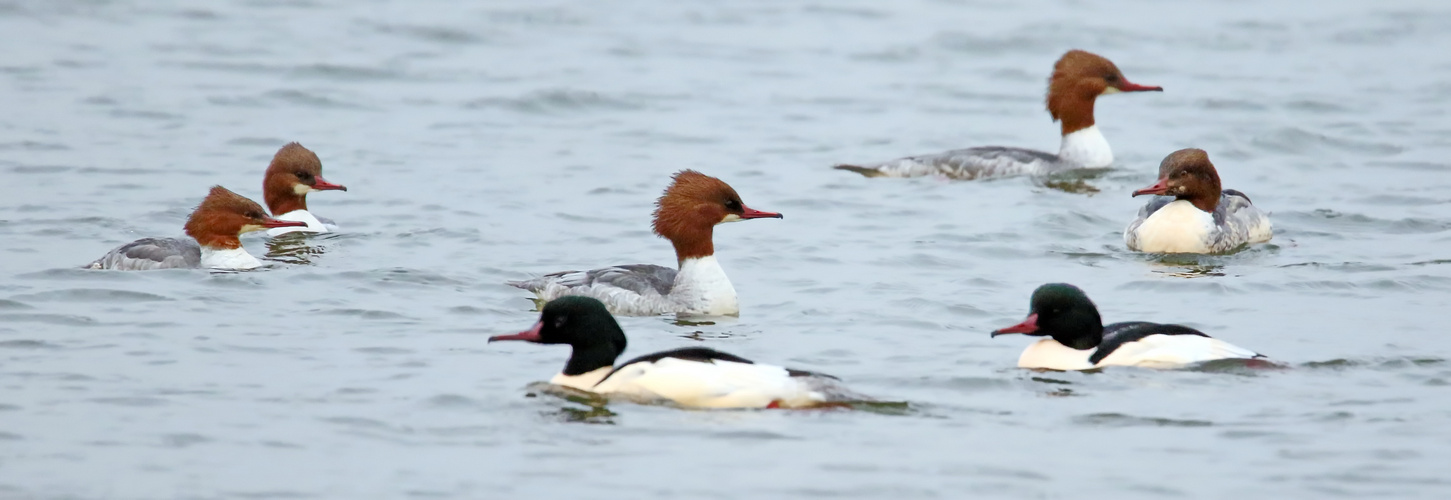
686, 215
1192, 213
214, 228
1078, 79
1078, 339
692, 377
294, 172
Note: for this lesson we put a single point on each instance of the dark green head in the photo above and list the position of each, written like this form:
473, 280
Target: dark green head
582, 322
1061, 311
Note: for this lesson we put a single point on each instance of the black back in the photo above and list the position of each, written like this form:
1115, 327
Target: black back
1118, 334
706, 355
701, 354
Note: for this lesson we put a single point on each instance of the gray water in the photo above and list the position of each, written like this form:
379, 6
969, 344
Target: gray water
483, 143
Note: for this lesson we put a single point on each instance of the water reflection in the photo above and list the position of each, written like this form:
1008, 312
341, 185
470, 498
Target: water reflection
1074, 181
293, 248
593, 410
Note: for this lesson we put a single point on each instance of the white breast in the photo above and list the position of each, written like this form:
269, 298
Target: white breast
702, 287
1049, 354
1086, 147
1178, 227
235, 258
313, 225
1173, 351
715, 384
584, 381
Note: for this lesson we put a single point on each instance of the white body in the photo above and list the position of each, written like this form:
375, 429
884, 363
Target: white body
233, 258
313, 224
700, 288
696, 384
1086, 147
1153, 351
1179, 227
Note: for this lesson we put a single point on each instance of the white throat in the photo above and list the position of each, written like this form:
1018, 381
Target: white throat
228, 258
584, 381
313, 225
1086, 147
702, 288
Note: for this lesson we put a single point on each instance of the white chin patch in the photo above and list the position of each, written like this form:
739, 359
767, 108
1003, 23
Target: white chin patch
251, 227
1110, 90
301, 188
730, 218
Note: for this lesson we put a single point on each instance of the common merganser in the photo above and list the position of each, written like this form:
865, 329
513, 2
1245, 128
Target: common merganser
686, 215
692, 377
294, 172
1078, 339
1078, 79
1192, 214
214, 228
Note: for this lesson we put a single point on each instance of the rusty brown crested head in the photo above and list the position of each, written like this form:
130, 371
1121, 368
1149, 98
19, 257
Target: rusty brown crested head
686, 214
294, 172
1187, 174
223, 216
1079, 77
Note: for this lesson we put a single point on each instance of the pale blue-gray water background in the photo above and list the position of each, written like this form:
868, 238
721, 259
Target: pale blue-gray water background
485, 142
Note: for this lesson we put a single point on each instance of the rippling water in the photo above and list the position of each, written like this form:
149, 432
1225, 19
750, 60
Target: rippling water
484, 143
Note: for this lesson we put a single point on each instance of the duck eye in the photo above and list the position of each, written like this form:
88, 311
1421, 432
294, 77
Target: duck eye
255, 215
303, 175
733, 205
559, 321
1112, 78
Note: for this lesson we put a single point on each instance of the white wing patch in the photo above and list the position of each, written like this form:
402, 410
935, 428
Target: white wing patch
1153, 351
715, 384
1173, 351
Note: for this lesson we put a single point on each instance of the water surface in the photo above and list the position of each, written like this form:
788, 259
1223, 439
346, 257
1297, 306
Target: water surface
482, 143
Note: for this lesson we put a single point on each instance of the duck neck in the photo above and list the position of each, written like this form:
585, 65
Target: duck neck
588, 359
1081, 341
1080, 328
693, 244
1207, 197
1072, 106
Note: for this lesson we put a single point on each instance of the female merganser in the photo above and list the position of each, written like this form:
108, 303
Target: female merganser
294, 172
686, 215
1078, 79
692, 377
1078, 339
214, 226
1193, 214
